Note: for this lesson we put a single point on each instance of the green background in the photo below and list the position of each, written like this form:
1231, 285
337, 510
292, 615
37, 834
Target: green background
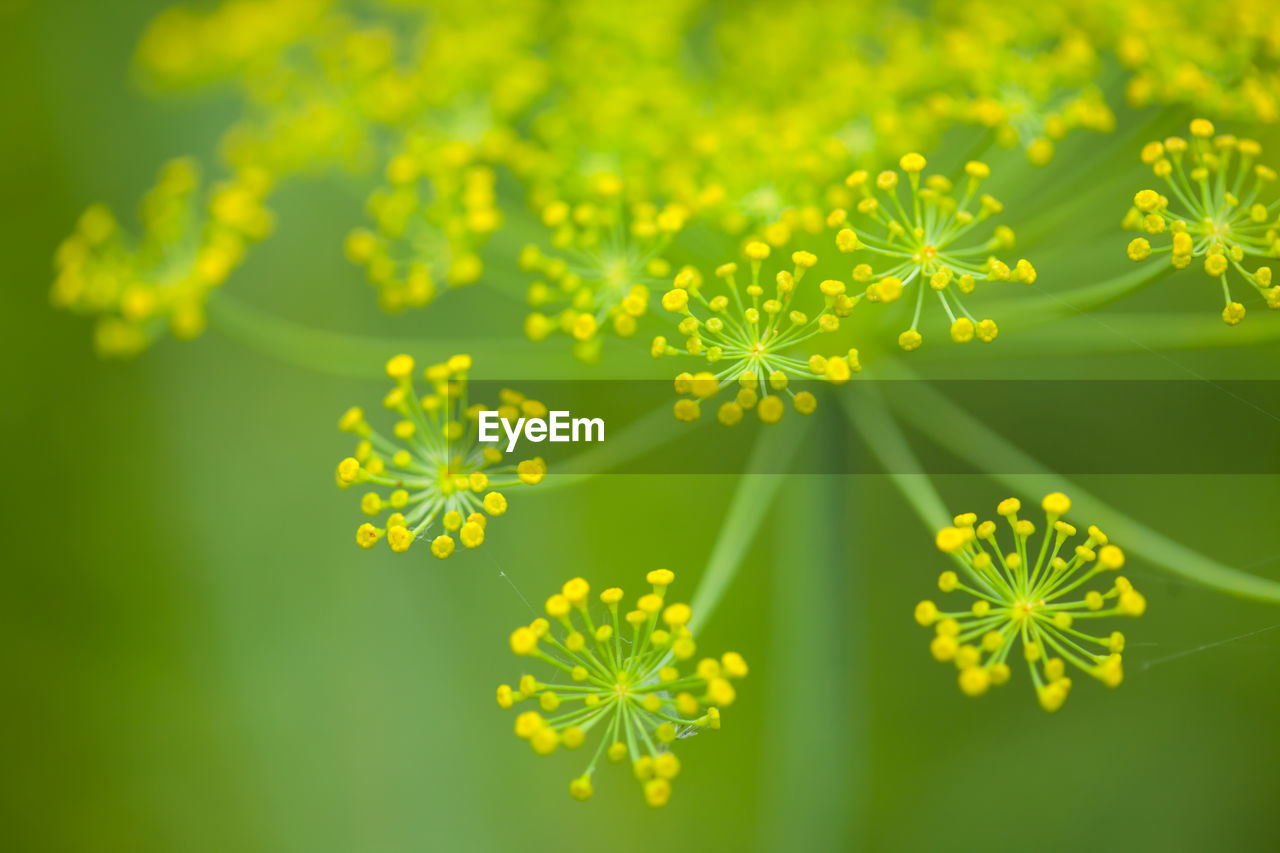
196, 657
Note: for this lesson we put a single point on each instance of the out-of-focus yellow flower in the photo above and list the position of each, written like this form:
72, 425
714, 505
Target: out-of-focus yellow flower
432, 221
607, 255
191, 241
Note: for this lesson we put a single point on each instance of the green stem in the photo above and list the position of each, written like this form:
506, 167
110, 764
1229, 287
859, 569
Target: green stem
1057, 197
355, 356
1050, 306
871, 418
824, 610
1145, 332
757, 486
649, 432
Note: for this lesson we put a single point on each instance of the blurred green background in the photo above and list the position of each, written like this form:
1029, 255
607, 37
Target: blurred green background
197, 658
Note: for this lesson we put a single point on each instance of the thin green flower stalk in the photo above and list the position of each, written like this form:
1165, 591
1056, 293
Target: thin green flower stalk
923, 242
432, 220
435, 468
191, 241
1030, 598
632, 686
607, 255
1214, 214
754, 343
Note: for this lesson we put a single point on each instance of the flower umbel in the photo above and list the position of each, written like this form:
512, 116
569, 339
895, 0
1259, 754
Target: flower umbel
920, 242
1214, 214
1019, 117
435, 467
631, 689
432, 221
746, 340
1022, 600
607, 255
188, 247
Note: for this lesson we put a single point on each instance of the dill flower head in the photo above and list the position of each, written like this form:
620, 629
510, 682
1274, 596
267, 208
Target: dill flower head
184, 46
634, 686
190, 243
927, 242
1223, 62
1019, 118
435, 468
333, 95
1212, 213
326, 100
747, 339
607, 256
1029, 78
1032, 599
431, 221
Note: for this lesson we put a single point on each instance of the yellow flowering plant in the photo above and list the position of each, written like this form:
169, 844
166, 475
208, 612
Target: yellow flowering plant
745, 338
918, 240
607, 255
1214, 212
435, 469
432, 220
190, 243
673, 180
630, 683
1031, 599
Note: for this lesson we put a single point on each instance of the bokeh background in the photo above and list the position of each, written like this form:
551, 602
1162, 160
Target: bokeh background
197, 658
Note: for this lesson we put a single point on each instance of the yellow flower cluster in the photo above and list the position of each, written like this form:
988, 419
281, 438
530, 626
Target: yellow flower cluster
322, 104
567, 95
1030, 599
1224, 63
637, 140
435, 468
563, 96
191, 241
625, 682
432, 220
746, 341
921, 241
185, 46
607, 256
1214, 214
321, 85
1029, 74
